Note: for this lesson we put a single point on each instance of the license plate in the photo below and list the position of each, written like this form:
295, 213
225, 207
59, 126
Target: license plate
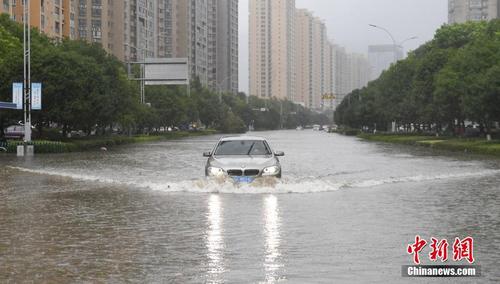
243, 179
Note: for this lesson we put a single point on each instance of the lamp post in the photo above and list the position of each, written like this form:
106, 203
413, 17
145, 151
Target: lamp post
27, 70
408, 39
395, 44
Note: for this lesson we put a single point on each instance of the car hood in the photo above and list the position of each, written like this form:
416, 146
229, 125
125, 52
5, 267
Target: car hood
247, 162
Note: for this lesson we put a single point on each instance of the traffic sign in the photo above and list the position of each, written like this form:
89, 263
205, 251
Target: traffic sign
6, 105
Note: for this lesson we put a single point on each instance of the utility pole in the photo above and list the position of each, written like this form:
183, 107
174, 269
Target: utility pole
27, 70
281, 114
143, 76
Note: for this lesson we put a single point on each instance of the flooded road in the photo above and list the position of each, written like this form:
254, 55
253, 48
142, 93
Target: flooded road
344, 211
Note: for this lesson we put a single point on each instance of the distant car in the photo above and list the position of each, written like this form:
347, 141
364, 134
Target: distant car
316, 127
243, 159
14, 132
17, 132
472, 132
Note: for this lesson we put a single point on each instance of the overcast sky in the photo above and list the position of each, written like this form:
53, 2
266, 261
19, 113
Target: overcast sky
347, 23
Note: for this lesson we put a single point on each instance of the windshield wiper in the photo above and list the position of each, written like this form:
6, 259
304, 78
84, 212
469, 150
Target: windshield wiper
250, 150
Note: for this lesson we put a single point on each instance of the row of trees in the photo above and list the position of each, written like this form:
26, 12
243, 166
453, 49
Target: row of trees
449, 80
85, 88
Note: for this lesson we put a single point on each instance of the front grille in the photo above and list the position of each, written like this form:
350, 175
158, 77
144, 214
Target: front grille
251, 173
235, 172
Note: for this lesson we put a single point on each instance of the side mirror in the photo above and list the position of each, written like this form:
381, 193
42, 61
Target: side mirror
279, 153
207, 154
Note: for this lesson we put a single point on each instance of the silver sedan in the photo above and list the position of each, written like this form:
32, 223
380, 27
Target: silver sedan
243, 159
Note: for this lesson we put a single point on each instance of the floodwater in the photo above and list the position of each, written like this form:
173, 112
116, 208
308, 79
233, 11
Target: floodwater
344, 212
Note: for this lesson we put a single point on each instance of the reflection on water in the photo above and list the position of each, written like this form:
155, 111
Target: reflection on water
272, 261
214, 240
136, 214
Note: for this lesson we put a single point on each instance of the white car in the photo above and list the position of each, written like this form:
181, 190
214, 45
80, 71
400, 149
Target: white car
243, 159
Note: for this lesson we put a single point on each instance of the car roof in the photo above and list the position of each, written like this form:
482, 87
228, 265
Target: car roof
242, 138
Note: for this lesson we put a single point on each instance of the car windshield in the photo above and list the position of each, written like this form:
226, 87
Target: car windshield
242, 147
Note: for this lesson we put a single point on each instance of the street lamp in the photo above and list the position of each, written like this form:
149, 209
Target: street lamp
408, 39
395, 44
27, 69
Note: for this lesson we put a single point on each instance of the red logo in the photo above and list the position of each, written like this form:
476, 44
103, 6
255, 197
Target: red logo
462, 249
439, 250
416, 247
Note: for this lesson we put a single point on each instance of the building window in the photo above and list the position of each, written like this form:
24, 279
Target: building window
96, 29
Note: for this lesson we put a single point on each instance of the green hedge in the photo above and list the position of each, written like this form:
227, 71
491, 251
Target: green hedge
83, 144
470, 146
43, 146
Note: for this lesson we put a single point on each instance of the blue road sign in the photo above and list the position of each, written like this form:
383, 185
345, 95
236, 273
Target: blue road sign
8, 105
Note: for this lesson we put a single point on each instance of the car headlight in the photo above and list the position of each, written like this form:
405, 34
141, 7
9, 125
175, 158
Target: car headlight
271, 171
216, 172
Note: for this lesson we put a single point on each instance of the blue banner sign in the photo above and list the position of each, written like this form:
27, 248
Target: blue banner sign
17, 95
36, 96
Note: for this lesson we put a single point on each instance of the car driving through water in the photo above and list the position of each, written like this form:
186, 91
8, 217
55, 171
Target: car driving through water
243, 159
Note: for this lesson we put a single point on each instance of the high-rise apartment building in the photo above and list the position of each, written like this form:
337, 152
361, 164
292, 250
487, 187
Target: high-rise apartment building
351, 72
190, 35
163, 28
272, 48
291, 56
198, 29
224, 54
223, 45
52, 17
101, 21
342, 80
460, 11
329, 73
282, 49
260, 48
381, 57
139, 26
316, 61
304, 57
204, 31
358, 71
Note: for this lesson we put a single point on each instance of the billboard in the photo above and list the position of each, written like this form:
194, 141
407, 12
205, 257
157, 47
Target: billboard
166, 71
36, 96
17, 95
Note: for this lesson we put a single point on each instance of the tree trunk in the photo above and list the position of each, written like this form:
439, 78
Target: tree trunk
65, 131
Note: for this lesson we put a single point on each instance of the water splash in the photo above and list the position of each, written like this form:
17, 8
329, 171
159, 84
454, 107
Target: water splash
260, 186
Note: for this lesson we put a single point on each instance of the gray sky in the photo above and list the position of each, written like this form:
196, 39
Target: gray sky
347, 22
